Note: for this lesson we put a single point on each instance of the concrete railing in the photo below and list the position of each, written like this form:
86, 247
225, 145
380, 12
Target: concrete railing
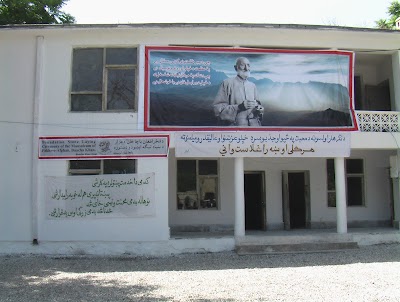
378, 121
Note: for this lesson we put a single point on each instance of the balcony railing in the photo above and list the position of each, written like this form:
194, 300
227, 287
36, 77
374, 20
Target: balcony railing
378, 121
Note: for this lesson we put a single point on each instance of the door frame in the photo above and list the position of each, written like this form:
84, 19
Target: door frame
285, 197
263, 198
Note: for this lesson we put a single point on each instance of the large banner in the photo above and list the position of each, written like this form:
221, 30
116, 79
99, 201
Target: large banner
213, 89
100, 196
262, 144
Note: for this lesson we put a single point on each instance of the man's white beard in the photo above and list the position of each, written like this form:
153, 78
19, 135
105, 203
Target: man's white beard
243, 74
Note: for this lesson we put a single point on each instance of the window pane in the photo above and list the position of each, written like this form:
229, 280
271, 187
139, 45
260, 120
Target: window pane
330, 170
208, 192
84, 164
120, 89
87, 69
86, 102
208, 167
354, 166
355, 191
331, 199
186, 175
121, 56
119, 166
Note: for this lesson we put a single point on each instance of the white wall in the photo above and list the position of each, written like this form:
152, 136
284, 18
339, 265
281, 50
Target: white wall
377, 191
16, 95
108, 229
57, 120
17, 80
222, 216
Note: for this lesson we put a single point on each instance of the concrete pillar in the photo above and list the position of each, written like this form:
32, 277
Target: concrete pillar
395, 99
239, 197
341, 207
396, 195
395, 84
396, 203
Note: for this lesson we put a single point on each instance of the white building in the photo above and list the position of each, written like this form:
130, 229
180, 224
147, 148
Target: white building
52, 87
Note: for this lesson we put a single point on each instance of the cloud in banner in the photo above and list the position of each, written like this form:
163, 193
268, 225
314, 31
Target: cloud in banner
297, 89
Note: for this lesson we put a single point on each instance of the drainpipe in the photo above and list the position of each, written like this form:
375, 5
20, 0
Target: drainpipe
38, 94
341, 207
239, 198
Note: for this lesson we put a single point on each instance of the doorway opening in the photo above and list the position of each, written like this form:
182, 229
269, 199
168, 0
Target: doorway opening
296, 199
254, 198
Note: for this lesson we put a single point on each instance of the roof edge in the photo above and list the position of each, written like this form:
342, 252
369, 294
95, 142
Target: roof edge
196, 25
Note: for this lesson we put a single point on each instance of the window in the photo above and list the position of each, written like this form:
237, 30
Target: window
107, 166
330, 169
197, 182
104, 79
354, 182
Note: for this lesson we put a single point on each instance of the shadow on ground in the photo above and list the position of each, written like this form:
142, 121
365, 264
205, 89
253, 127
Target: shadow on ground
39, 274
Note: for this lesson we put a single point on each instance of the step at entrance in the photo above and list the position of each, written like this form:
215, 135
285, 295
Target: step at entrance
253, 249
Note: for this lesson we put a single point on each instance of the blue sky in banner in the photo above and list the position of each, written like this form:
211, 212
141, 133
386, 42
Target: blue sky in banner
293, 67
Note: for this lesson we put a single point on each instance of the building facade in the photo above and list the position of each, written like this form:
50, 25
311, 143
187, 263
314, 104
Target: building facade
88, 84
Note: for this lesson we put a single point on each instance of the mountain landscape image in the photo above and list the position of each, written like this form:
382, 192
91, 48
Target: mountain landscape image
286, 104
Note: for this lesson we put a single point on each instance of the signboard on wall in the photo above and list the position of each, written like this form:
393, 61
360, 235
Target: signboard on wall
214, 89
98, 147
262, 144
100, 196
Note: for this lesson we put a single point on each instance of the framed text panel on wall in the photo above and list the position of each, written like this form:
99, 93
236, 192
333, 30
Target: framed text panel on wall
103, 147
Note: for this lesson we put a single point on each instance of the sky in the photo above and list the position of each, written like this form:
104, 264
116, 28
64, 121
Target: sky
351, 13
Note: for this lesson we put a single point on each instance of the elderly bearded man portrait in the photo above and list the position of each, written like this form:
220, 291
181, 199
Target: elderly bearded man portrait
236, 103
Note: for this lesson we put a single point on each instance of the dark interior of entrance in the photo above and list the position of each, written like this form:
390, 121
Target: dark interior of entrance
254, 201
297, 202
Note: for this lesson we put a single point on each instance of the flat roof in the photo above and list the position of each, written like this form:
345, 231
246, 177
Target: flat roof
195, 25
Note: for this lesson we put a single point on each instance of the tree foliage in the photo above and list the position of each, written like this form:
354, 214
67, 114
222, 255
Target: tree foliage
394, 13
33, 12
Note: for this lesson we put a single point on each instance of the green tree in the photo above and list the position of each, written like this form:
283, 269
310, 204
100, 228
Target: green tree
33, 12
394, 13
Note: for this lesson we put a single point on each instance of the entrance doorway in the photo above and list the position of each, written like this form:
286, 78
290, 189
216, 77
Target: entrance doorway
254, 198
296, 199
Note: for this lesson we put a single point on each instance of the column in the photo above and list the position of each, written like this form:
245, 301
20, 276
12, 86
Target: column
396, 107
341, 207
396, 81
396, 195
239, 197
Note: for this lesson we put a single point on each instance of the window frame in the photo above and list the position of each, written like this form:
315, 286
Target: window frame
356, 175
94, 171
198, 192
347, 176
104, 92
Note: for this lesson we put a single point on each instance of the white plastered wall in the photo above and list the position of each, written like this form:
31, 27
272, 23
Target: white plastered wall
223, 216
153, 228
17, 56
377, 191
59, 121
17, 95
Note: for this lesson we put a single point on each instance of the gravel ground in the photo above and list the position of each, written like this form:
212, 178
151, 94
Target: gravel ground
369, 274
